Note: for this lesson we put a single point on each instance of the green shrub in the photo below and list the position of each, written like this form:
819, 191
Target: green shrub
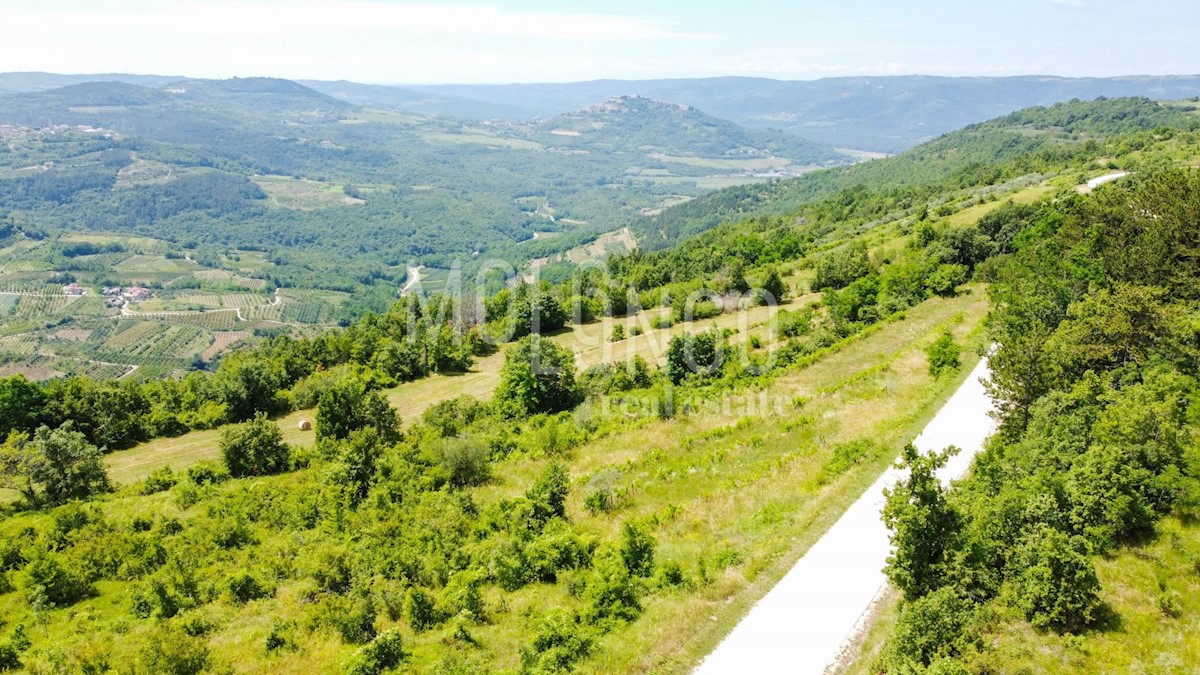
53, 466
160, 480
244, 587
602, 495
465, 460
174, 653
559, 642
618, 333
670, 574
556, 549
946, 278
695, 355
705, 309
1169, 603
845, 455
282, 637
610, 593
48, 583
1056, 583
607, 378
548, 495
509, 565
929, 628
382, 654
538, 376
451, 417
637, 550
462, 594
330, 568
255, 448
943, 355
422, 610
352, 617
349, 406
196, 625
840, 268
207, 473
10, 658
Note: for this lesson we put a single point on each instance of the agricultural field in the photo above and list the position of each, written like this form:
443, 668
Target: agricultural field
304, 195
151, 341
195, 311
222, 340
8, 302
225, 277
742, 165
140, 264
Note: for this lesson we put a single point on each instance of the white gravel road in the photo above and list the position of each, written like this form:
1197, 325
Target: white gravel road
1100, 180
803, 624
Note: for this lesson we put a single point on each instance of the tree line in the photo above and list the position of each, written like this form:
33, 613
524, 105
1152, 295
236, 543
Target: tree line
1095, 377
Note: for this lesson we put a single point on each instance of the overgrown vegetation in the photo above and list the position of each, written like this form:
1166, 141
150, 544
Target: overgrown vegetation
537, 531
1095, 376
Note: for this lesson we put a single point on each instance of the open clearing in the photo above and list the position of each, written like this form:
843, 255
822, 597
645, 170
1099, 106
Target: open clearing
302, 194
754, 164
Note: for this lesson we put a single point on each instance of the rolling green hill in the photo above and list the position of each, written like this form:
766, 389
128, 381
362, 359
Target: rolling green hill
619, 506
671, 129
887, 114
203, 162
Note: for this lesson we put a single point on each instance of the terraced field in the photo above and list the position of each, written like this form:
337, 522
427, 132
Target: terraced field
148, 340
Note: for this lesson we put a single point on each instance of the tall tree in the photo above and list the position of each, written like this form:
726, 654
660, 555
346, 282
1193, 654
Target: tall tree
52, 466
924, 525
538, 377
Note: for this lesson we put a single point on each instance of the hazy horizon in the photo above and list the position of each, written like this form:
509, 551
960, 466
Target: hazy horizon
536, 41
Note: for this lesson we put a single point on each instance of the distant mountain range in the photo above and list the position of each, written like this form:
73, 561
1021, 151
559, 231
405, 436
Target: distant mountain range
886, 114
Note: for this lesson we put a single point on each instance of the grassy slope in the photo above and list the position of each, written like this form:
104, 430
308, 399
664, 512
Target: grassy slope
589, 341
748, 488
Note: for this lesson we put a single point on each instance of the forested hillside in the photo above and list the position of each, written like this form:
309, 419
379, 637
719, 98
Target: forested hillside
887, 114
884, 114
1096, 460
652, 442
208, 162
1020, 147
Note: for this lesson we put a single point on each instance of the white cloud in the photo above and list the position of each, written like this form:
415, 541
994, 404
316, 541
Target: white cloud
1070, 3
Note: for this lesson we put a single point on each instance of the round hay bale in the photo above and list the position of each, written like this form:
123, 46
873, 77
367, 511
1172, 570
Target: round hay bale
303, 425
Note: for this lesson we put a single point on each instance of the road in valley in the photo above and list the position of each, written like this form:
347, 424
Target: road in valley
820, 606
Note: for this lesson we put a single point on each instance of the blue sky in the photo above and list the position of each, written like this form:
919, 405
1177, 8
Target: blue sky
543, 41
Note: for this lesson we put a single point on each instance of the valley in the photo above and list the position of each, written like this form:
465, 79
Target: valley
344, 386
